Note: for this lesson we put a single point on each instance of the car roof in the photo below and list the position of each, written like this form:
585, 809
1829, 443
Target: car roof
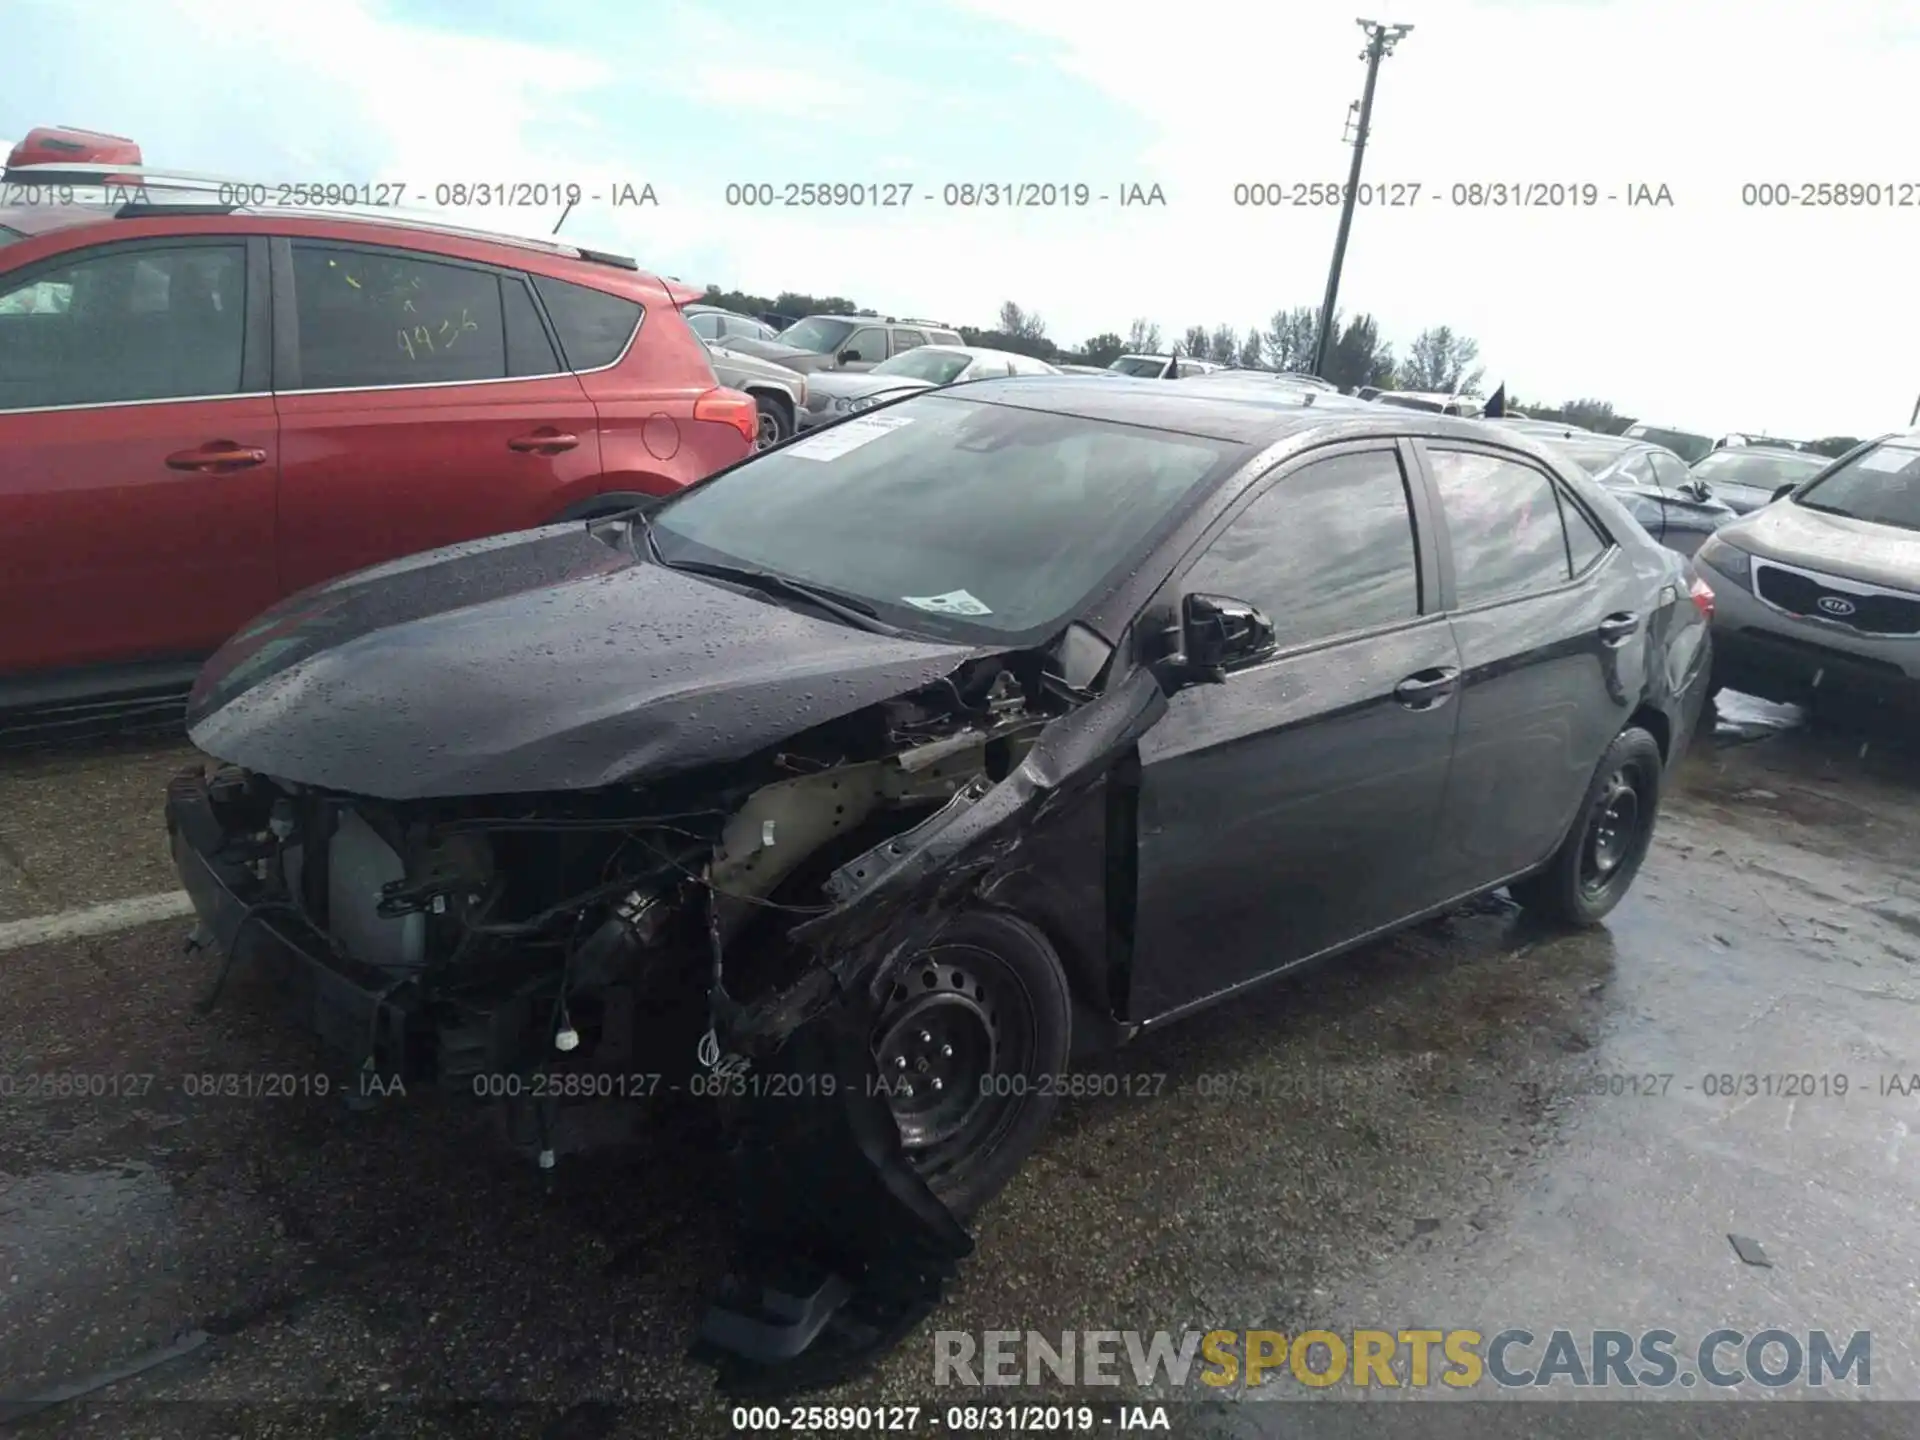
1244, 416
167, 212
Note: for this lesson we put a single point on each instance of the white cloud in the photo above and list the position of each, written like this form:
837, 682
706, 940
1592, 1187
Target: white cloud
1711, 313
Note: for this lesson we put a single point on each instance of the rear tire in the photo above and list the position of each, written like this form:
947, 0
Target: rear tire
978, 1025
1596, 863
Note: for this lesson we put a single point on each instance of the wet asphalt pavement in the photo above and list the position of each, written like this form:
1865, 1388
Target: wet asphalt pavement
1425, 1134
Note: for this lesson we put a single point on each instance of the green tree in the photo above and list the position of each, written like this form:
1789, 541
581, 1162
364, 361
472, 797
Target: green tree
1833, 446
1441, 362
1224, 348
1289, 339
1103, 349
1590, 414
1357, 357
1250, 349
1143, 338
1015, 321
1195, 342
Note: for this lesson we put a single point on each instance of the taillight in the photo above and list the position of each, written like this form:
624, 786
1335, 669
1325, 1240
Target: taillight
730, 407
1701, 594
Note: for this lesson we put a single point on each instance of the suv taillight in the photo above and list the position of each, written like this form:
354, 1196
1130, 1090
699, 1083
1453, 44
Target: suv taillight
1701, 594
730, 407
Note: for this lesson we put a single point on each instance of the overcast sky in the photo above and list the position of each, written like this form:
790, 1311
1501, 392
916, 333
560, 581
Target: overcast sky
1708, 313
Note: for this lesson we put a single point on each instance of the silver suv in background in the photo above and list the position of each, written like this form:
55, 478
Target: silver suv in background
860, 342
1819, 592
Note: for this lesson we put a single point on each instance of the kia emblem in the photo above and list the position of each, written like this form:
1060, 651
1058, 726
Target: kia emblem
1835, 605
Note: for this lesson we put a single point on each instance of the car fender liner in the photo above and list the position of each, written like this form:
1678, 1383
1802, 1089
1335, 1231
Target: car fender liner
843, 1248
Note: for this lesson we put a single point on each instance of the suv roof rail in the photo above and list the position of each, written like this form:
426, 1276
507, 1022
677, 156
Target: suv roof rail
210, 195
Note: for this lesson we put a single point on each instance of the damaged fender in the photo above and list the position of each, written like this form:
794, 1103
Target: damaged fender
843, 1246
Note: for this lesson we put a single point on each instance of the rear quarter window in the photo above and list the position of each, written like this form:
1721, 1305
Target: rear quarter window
594, 327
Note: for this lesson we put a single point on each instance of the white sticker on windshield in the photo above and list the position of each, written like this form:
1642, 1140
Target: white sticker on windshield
1887, 457
848, 435
954, 602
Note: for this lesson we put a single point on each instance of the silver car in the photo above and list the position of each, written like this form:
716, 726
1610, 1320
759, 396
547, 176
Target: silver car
1818, 593
780, 393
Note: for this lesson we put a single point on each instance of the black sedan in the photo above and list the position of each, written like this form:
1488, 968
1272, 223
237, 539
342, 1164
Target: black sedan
1677, 508
1746, 477
868, 783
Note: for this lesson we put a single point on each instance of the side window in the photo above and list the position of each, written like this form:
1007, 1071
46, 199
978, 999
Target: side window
988, 367
1584, 543
947, 337
1634, 470
529, 351
374, 317
867, 345
594, 327
907, 340
706, 325
1504, 521
146, 324
1326, 551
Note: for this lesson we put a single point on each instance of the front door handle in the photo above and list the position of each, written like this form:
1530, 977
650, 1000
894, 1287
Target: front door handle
1425, 689
543, 442
1618, 629
217, 455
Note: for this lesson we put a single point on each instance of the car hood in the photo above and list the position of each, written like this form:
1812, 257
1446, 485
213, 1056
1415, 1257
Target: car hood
854, 384
550, 659
1856, 549
738, 364
792, 357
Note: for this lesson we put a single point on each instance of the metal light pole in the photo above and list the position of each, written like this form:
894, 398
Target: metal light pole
1380, 42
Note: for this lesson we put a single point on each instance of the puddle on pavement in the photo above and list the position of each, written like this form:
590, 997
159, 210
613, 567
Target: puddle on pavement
1740, 717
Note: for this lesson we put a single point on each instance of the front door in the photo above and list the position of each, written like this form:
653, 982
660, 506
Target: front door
421, 403
1293, 807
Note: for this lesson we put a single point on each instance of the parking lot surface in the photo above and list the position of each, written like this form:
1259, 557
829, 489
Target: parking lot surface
1463, 1127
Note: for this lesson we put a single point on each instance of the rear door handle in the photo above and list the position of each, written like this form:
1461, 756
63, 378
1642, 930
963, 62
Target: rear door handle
217, 455
1425, 689
1618, 629
543, 442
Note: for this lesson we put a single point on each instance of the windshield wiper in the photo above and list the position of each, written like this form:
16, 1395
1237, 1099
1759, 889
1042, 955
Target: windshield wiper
850, 608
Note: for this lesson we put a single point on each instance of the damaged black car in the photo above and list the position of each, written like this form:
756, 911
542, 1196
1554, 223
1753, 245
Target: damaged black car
872, 783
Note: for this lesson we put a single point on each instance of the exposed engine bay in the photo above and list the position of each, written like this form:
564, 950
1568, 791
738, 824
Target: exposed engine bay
738, 931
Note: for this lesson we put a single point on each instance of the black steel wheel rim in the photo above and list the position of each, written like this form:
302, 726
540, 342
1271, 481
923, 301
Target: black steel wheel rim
1613, 832
952, 1044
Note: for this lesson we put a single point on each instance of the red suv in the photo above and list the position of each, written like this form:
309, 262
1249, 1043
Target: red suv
204, 408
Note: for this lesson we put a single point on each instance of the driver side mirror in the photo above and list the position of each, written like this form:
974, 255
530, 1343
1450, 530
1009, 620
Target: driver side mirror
847, 357
1218, 632
1698, 490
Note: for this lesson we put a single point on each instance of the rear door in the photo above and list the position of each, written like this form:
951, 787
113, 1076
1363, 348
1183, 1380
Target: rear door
905, 339
139, 452
1552, 624
1294, 807
422, 402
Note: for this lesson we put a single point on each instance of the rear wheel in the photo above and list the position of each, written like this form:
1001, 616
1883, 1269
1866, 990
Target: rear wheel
971, 1031
1596, 863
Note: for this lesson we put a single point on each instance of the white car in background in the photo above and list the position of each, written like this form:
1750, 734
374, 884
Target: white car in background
839, 393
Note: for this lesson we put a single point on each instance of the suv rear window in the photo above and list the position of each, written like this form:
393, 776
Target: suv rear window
594, 327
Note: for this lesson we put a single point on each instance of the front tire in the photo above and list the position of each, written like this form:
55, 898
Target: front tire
973, 1033
1596, 863
776, 419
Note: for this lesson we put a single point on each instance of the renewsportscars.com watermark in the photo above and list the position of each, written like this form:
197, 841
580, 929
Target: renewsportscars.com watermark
1514, 1358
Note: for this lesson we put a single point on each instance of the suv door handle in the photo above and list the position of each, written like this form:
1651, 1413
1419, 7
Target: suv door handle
1618, 629
1425, 689
217, 455
543, 442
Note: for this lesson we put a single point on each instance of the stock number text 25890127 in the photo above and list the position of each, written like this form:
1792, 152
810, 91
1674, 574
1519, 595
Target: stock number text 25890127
953, 195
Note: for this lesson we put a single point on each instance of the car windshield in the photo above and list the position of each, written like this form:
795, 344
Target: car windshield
1148, 365
817, 333
938, 367
1684, 443
1881, 485
1767, 470
952, 517
1590, 456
